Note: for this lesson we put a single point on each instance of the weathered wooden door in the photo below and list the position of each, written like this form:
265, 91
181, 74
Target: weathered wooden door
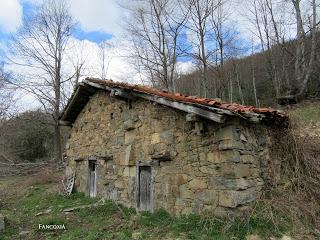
145, 188
92, 178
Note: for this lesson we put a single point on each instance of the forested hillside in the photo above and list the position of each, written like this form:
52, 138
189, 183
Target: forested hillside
279, 56
259, 79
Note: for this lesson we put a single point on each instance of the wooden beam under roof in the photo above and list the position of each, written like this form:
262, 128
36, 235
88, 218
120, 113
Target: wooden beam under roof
184, 107
114, 92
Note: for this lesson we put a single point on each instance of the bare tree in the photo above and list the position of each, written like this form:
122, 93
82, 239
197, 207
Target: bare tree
224, 36
270, 21
154, 29
198, 24
40, 46
78, 60
6, 94
253, 77
104, 58
236, 78
304, 62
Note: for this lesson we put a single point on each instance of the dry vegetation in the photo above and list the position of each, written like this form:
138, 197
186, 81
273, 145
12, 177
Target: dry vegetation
297, 194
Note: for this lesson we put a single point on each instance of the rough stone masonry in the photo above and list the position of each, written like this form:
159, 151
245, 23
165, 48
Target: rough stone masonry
149, 156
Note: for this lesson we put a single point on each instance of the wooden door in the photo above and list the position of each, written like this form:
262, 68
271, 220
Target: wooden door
145, 188
92, 178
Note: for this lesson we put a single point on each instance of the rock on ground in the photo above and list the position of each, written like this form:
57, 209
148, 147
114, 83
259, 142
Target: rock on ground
2, 225
253, 237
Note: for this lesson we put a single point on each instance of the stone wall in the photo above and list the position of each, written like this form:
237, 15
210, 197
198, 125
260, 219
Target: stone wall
196, 166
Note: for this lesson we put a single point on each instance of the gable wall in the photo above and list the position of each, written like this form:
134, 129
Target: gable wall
218, 170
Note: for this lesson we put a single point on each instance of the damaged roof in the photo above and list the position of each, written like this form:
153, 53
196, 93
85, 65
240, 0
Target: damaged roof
204, 107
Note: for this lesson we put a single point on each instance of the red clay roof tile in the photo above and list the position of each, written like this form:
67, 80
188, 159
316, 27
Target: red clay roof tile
233, 107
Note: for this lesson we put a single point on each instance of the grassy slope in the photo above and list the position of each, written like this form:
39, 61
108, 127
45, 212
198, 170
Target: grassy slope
306, 113
22, 199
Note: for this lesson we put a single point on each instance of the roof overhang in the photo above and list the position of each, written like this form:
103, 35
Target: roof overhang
89, 87
78, 100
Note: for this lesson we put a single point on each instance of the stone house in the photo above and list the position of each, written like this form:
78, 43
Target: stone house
150, 149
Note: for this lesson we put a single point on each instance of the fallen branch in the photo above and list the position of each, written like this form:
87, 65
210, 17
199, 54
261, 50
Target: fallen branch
44, 212
99, 203
6, 158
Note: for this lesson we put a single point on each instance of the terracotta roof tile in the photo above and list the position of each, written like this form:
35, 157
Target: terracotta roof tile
233, 107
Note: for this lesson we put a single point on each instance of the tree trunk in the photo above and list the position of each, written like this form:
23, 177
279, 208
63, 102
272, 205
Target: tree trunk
204, 63
57, 143
304, 77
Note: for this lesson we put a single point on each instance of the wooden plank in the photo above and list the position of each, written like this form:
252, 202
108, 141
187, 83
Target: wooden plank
185, 107
99, 203
145, 188
92, 178
95, 85
150, 166
114, 92
78, 100
214, 109
70, 104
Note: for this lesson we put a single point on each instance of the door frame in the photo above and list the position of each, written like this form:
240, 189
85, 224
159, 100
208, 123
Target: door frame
92, 160
150, 164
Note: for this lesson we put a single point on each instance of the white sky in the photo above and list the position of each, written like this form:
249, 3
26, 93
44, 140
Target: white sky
97, 15
10, 15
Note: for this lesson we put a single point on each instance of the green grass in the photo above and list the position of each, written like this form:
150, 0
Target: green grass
111, 221
307, 113
208, 227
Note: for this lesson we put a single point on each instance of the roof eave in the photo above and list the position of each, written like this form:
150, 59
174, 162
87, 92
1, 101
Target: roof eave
76, 103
